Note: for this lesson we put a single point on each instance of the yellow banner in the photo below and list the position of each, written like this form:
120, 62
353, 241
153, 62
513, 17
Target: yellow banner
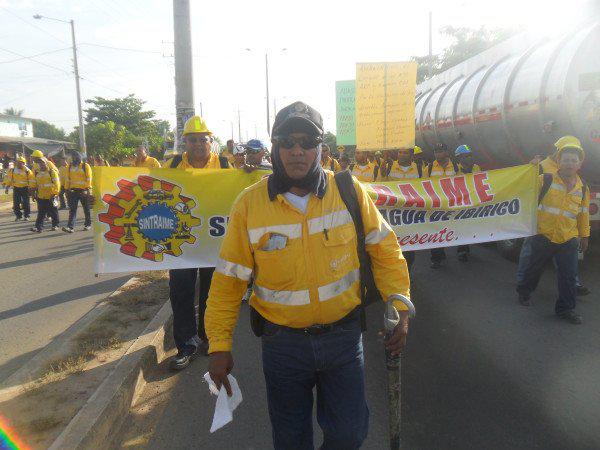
385, 105
154, 219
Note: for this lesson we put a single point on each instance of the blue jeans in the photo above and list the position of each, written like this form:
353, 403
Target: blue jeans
524, 257
294, 364
565, 255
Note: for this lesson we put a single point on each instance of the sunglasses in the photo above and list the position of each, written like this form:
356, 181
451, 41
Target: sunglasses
305, 142
194, 140
253, 150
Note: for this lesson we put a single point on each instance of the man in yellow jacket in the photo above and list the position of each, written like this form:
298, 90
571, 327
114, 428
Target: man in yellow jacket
78, 184
363, 170
327, 161
144, 160
563, 227
20, 178
292, 233
190, 337
47, 187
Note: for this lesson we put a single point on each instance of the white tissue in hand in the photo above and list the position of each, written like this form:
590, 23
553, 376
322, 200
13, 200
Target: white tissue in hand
225, 404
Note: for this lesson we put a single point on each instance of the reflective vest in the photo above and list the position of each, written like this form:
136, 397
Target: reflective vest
79, 177
19, 178
181, 162
436, 170
47, 183
564, 215
149, 162
398, 172
365, 173
62, 174
49, 163
331, 164
304, 265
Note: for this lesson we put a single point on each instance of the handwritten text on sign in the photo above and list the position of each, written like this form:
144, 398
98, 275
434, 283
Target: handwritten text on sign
385, 105
345, 112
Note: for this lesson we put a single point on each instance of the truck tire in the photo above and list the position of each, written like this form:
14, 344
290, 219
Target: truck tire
510, 248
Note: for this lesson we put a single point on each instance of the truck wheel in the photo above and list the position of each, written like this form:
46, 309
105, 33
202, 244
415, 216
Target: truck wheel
510, 248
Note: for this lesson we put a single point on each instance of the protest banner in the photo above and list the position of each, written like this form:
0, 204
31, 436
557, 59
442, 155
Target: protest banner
385, 105
345, 112
155, 219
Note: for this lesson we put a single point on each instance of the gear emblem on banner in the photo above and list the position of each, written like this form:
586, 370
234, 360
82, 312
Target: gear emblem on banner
149, 219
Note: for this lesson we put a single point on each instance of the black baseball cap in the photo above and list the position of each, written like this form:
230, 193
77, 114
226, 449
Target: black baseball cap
298, 118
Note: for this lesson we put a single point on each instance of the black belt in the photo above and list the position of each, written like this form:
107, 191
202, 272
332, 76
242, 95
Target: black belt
323, 328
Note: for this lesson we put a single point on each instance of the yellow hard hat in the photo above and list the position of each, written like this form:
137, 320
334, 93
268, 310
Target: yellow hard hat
417, 150
195, 124
37, 154
341, 148
569, 142
20, 158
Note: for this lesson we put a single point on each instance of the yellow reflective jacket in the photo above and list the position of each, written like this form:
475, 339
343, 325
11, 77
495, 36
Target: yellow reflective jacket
563, 215
49, 163
304, 265
398, 172
47, 183
436, 170
331, 164
62, 173
213, 162
365, 173
149, 162
19, 178
78, 177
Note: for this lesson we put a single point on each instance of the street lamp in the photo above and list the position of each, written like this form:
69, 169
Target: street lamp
267, 83
76, 71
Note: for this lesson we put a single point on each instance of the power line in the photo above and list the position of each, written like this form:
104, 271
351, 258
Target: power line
34, 60
34, 25
34, 56
122, 48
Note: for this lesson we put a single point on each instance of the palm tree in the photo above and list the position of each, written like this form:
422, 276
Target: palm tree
13, 112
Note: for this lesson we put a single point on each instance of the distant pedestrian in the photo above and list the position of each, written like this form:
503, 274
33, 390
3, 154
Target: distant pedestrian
563, 228
142, 159
62, 173
20, 178
78, 184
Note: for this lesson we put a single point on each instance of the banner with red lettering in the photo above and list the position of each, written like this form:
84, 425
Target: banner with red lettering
466, 209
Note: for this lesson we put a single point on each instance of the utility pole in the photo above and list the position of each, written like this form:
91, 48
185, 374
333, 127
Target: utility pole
267, 78
430, 69
184, 82
82, 146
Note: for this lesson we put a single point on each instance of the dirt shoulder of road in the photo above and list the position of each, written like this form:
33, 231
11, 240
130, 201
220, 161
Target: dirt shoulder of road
44, 406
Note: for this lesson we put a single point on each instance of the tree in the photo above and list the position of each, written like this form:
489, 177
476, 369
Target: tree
330, 140
46, 130
107, 140
467, 42
127, 112
13, 112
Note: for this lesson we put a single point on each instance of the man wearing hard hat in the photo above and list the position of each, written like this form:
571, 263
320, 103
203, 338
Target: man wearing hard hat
36, 155
78, 183
563, 228
190, 336
20, 178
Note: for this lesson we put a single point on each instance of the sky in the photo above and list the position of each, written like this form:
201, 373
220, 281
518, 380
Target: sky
126, 46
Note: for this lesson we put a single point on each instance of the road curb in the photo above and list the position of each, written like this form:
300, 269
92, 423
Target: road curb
19, 380
109, 406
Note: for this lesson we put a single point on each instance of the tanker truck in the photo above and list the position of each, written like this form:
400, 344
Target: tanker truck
513, 101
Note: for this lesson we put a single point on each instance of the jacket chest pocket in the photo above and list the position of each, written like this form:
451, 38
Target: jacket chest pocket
339, 245
276, 269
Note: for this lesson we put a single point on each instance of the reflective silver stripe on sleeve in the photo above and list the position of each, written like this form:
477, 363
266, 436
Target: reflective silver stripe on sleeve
289, 298
584, 210
329, 221
338, 287
576, 193
402, 175
230, 269
292, 231
557, 186
376, 236
557, 211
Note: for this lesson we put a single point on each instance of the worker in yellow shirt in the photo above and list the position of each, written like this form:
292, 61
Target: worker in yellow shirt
466, 164
63, 166
363, 170
142, 159
442, 166
563, 228
403, 167
327, 161
20, 178
293, 233
550, 165
38, 155
78, 183
189, 335
46, 186
228, 152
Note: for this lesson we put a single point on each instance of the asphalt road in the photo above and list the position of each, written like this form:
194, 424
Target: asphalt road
46, 284
480, 371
